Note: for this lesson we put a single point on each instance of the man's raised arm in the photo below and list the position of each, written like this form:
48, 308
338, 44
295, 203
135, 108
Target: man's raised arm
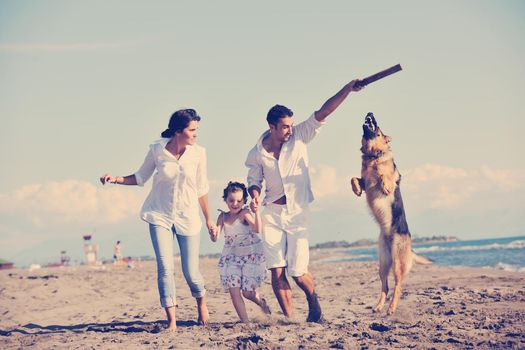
333, 102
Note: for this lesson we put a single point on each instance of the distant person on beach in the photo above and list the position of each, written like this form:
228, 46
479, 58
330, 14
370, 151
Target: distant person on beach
242, 265
117, 253
280, 160
180, 186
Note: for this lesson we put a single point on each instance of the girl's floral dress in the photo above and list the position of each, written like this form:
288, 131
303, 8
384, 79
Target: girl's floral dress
242, 263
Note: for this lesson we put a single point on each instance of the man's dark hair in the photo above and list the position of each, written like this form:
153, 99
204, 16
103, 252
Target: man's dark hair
180, 121
277, 112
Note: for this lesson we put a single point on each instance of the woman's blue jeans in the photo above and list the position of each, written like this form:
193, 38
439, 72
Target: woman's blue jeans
162, 240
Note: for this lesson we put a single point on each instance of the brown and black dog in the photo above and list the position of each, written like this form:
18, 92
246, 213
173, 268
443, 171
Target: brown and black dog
380, 180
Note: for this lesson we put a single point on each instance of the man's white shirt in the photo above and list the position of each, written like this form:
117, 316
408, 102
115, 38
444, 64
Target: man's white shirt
289, 174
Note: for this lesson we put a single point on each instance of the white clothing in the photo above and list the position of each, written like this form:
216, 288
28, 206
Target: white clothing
285, 238
177, 186
289, 175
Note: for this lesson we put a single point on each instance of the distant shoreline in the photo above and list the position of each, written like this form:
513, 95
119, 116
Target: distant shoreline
365, 243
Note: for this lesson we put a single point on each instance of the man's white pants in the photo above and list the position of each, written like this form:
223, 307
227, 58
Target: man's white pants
285, 237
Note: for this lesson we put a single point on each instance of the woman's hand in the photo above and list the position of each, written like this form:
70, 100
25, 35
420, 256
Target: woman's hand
108, 178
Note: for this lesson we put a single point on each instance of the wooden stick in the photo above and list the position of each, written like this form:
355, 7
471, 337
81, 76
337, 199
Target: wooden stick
384, 73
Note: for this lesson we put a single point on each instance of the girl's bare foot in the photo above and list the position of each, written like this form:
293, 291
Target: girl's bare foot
264, 307
203, 319
172, 327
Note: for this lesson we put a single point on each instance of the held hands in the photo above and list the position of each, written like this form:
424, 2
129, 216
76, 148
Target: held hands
254, 204
108, 178
257, 212
214, 235
213, 230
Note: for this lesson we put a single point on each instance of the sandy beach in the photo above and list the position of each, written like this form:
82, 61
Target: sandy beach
117, 307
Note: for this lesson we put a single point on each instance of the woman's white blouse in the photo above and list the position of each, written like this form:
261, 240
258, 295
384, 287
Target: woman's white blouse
177, 186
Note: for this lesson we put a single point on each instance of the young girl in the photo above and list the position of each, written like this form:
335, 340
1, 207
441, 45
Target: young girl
242, 264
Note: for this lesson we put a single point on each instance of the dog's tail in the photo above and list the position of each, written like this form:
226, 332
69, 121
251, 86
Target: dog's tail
420, 259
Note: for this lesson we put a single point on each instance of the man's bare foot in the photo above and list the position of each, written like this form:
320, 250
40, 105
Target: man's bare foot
202, 309
264, 307
314, 313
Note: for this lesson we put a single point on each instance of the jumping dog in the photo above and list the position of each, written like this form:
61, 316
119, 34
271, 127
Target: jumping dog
380, 180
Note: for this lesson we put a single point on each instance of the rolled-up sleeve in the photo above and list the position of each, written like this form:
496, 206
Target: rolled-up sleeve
146, 170
203, 185
308, 129
255, 171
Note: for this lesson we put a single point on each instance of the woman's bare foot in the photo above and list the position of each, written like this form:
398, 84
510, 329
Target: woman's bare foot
202, 309
172, 321
264, 307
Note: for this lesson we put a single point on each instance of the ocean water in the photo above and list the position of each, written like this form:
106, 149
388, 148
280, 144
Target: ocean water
500, 253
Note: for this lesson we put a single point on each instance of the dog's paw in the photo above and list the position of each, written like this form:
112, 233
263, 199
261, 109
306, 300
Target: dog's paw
378, 307
356, 186
387, 188
391, 310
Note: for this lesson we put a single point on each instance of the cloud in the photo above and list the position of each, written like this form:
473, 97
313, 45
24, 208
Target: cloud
506, 180
443, 187
71, 201
55, 47
435, 186
428, 186
429, 172
325, 181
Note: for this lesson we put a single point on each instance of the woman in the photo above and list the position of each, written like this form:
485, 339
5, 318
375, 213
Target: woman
180, 186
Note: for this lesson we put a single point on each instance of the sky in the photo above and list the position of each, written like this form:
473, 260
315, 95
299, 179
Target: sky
85, 87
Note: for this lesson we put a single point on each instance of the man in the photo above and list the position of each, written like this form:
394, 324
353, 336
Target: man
280, 159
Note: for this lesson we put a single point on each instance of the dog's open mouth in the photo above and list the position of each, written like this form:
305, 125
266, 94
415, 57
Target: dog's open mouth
369, 127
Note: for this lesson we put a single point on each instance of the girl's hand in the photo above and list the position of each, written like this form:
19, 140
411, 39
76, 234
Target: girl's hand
214, 233
211, 226
214, 236
254, 204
